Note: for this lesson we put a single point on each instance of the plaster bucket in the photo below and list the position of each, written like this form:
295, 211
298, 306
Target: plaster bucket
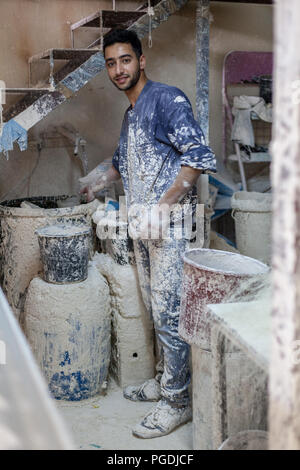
19, 247
64, 252
247, 440
214, 277
252, 213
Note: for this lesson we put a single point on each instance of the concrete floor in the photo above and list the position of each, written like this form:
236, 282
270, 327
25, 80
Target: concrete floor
105, 422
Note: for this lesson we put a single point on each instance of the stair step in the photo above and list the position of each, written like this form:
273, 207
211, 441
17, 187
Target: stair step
23, 91
31, 109
110, 19
64, 54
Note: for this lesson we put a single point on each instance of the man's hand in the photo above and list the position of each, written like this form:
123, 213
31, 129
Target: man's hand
97, 180
153, 222
148, 222
184, 181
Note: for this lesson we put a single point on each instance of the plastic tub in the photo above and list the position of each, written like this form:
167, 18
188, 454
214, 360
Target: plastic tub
19, 247
64, 252
252, 213
213, 277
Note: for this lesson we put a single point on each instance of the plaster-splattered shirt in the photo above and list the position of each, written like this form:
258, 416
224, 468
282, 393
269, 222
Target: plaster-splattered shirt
158, 136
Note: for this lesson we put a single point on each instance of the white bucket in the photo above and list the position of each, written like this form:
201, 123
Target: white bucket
252, 213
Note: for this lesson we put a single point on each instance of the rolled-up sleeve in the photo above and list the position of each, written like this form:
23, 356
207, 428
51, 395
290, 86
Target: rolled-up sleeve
115, 159
185, 134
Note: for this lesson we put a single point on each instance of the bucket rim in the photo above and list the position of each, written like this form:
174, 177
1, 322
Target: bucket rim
20, 212
266, 268
240, 201
82, 230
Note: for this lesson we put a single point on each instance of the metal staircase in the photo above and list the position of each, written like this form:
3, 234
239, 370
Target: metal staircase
81, 65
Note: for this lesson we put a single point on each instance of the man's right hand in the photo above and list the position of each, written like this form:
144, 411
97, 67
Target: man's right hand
97, 180
90, 190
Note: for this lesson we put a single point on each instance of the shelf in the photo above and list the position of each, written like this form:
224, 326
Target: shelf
254, 157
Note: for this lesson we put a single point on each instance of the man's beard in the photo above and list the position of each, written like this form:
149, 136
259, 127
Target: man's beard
132, 82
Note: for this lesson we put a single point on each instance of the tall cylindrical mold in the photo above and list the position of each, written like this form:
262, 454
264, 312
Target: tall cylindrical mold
213, 277
19, 247
68, 327
252, 213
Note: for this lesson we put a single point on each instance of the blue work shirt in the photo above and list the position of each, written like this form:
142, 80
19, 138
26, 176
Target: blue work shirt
158, 136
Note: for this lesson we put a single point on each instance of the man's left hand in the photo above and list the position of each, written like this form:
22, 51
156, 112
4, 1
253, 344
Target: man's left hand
149, 222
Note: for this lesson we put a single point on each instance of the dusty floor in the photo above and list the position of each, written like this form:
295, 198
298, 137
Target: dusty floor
105, 422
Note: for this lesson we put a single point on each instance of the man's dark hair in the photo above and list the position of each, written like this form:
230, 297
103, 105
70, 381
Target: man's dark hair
125, 36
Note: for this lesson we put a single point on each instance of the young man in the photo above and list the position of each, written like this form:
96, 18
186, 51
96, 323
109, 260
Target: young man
160, 155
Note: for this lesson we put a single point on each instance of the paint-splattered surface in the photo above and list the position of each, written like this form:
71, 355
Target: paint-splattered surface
64, 252
213, 277
158, 136
19, 248
68, 328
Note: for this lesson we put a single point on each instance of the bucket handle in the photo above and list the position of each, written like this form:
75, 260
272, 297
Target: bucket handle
233, 211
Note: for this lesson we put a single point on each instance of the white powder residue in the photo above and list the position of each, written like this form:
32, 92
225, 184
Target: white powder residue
132, 358
123, 281
63, 230
179, 99
20, 250
68, 327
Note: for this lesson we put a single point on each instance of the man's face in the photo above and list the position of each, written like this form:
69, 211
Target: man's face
123, 66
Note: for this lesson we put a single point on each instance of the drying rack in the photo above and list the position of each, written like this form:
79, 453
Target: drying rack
239, 68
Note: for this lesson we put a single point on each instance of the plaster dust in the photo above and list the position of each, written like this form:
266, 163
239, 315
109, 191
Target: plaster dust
132, 354
105, 423
63, 230
125, 293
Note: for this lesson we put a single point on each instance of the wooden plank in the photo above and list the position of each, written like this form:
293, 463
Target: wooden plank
111, 19
83, 21
64, 54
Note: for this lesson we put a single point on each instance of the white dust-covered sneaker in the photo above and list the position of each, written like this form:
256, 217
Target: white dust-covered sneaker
148, 391
162, 420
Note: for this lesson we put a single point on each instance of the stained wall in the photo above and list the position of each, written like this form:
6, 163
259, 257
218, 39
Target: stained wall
96, 111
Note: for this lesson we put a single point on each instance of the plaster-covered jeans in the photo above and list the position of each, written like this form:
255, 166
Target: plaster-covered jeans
160, 267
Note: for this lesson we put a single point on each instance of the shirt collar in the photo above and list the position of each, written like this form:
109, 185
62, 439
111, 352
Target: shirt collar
146, 87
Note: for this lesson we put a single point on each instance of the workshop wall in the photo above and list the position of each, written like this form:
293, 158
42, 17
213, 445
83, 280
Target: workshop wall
96, 112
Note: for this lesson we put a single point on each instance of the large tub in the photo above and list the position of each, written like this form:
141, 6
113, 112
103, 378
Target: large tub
19, 248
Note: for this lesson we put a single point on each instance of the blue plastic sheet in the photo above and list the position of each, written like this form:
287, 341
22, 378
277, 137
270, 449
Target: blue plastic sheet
13, 132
